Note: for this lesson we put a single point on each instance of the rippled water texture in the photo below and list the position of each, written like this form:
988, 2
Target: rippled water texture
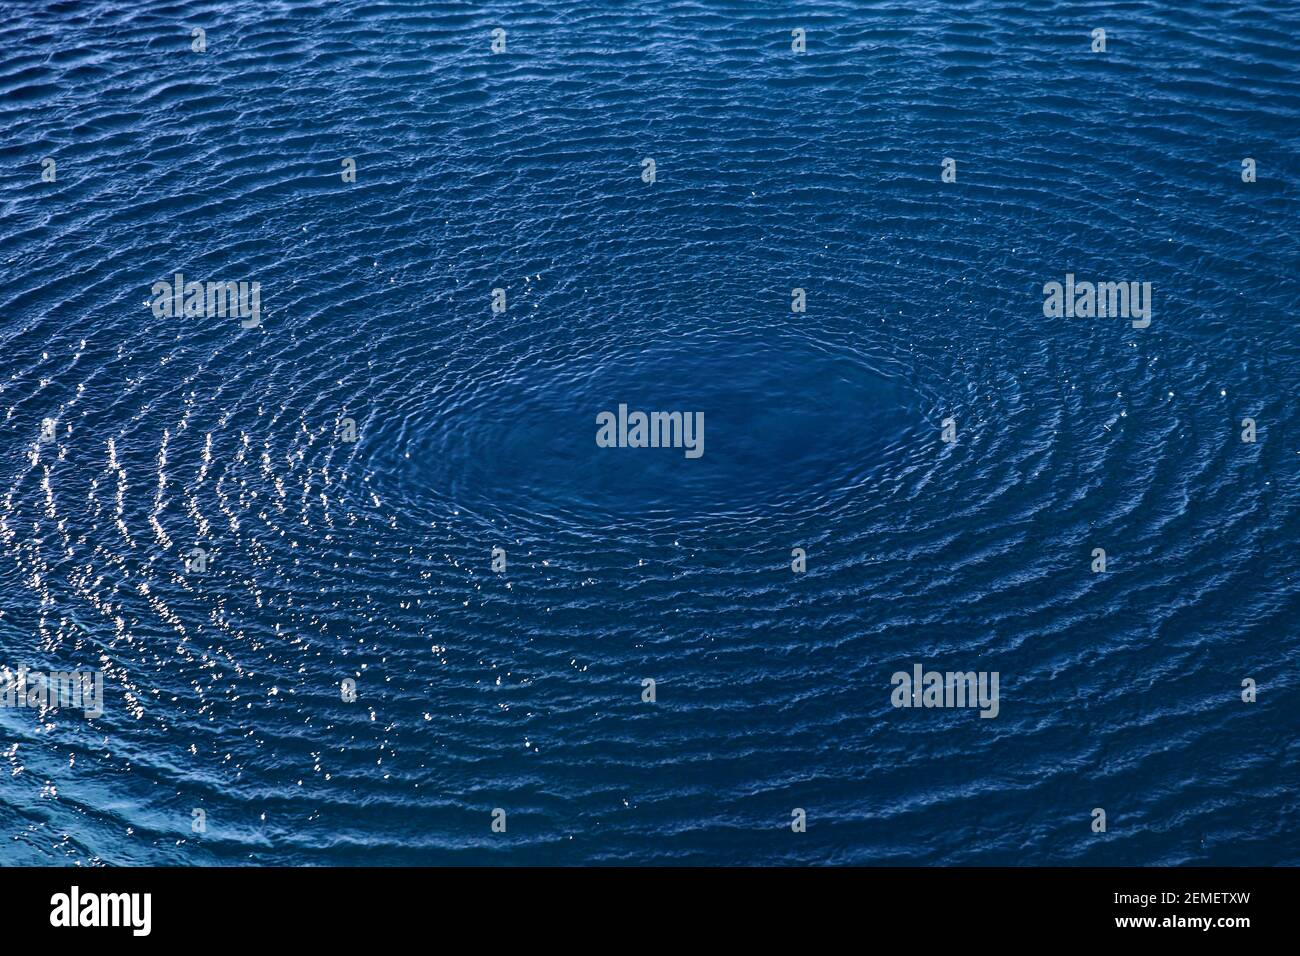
522, 690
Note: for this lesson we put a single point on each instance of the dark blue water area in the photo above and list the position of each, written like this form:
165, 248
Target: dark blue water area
132, 438
783, 423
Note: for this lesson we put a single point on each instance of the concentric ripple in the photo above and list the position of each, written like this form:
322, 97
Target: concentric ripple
371, 560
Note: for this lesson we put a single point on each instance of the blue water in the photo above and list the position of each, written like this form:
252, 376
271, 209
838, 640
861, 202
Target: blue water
522, 690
